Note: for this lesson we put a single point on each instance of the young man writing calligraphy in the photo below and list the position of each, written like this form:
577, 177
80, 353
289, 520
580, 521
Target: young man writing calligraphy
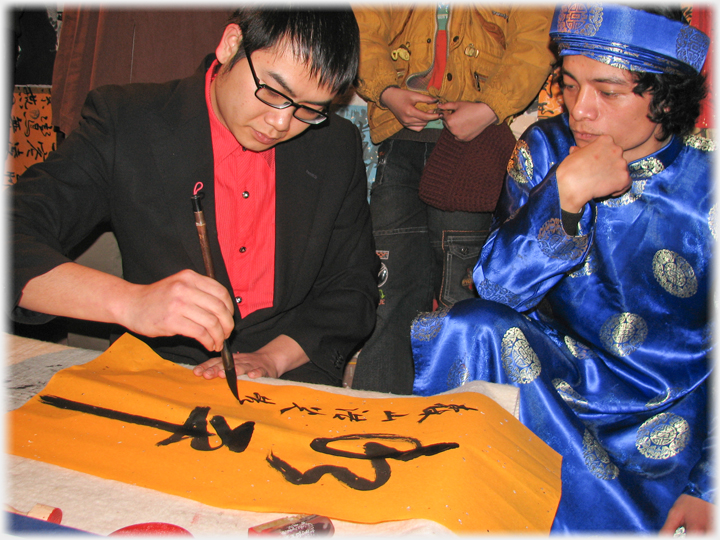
284, 196
596, 277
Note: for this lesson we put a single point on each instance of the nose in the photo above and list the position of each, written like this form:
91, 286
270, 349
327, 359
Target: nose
280, 119
585, 105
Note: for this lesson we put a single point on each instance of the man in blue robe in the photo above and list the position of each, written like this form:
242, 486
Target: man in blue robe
596, 278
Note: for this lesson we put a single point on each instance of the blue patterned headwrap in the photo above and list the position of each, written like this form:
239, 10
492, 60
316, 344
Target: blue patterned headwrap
628, 38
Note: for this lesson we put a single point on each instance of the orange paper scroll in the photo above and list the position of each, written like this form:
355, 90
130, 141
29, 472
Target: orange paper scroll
460, 460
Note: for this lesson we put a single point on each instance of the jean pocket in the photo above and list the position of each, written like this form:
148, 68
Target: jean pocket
461, 252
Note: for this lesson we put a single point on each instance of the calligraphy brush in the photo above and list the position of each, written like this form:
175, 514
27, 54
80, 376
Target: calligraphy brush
227, 359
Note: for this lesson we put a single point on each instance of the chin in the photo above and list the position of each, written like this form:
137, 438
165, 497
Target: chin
253, 145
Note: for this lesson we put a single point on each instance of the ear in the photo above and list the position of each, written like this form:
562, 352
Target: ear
229, 43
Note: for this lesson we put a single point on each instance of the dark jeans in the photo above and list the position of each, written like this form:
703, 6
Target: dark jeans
426, 253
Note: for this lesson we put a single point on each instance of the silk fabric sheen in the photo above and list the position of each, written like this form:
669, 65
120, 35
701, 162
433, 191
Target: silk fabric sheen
605, 333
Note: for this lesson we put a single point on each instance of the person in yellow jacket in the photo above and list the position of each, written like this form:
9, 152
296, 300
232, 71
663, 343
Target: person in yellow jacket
425, 69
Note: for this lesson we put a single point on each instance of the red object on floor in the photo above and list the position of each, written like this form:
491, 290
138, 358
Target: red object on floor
151, 528
42, 512
55, 516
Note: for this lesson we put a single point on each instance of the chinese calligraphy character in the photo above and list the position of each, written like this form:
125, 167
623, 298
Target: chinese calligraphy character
439, 408
390, 416
257, 398
311, 411
350, 414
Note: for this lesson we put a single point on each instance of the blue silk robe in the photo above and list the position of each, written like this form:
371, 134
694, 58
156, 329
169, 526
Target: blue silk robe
606, 333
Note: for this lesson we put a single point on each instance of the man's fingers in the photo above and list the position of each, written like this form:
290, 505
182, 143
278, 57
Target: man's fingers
216, 290
255, 373
210, 369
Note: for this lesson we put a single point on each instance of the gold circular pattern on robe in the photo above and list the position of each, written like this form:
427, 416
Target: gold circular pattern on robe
520, 166
666, 396
427, 325
519, 361
458, 374
556, 244
597, 459
623, 333
569, 395
629, 197
497, 293
663, 436
711, 221
588, 268
674, 274
578, 350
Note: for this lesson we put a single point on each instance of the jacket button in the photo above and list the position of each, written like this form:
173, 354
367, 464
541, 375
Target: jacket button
449, 76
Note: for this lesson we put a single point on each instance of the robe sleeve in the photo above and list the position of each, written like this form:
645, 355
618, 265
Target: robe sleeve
528, 251
701, 482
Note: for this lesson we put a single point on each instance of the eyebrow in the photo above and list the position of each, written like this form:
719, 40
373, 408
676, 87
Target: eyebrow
287, 90
602, 80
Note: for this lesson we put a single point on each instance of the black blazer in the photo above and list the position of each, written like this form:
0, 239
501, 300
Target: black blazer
134, 161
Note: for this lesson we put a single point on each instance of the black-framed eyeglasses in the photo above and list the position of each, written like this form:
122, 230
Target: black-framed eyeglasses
278, 100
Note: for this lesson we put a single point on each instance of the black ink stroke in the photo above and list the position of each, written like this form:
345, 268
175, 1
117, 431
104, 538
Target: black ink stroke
195, 423
343, 474
238, 439
440, 408
375, 452
195, 427
181, 429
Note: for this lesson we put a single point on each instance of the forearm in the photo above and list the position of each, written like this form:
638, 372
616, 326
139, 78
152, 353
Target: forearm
185, 303
286, 354
76, 291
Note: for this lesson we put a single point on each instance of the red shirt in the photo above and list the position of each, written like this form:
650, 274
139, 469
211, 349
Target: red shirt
245, 213
442, 15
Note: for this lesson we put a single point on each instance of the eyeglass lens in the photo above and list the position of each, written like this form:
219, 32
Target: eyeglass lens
275, 99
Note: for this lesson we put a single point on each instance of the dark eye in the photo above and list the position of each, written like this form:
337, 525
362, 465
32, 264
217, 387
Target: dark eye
566, 85
272, 94
272, 97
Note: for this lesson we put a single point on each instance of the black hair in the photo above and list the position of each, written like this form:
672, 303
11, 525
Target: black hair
327, 39
676, 98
